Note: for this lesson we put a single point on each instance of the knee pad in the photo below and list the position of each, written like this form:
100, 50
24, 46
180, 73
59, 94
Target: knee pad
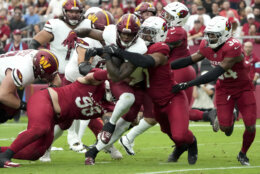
127, 99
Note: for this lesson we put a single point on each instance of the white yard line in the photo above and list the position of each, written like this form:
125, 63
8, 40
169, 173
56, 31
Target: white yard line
201, 169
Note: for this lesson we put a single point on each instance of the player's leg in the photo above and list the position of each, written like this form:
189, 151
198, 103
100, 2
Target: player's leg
40, 123
247, 106
178, 116
125, 95
145, 123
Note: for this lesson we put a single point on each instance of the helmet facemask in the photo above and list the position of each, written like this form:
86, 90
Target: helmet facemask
148, 34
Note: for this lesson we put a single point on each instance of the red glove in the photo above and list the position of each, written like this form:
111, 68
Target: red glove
69, 41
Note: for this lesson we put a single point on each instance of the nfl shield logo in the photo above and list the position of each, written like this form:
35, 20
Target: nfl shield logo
215, 55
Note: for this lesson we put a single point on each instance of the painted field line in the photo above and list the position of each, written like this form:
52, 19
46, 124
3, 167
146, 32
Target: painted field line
201, 169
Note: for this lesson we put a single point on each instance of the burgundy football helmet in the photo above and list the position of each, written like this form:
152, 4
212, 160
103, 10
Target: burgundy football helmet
144, 7
45, 65
72, 5
128, 24
101, 19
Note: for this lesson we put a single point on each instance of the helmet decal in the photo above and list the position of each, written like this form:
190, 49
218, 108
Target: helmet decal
44, 62
228, 25
93, 18
182, 13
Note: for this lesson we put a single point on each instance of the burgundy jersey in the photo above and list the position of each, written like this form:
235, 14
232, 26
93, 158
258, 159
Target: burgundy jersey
178, 33
160, 78
235, 79
80, 101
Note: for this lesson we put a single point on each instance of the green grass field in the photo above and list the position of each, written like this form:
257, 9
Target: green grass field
217, 154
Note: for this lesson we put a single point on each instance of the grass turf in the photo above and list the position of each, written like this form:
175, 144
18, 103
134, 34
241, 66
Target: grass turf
217, 154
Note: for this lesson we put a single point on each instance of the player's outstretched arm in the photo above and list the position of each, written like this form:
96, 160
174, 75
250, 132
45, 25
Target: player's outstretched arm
40, 38
186, 61
94, 78
88, 32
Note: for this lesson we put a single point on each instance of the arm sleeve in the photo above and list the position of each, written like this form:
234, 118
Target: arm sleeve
208, 77
181, 63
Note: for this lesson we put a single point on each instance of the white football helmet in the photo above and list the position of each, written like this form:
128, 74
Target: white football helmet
218, 31
153, 29
176, 14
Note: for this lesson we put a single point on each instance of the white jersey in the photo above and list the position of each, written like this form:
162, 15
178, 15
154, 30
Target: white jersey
110, 35
21, 64
92, 10
72, 69
60, 31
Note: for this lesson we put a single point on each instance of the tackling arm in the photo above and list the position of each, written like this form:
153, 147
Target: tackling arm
92, 33
41, 38
117, 70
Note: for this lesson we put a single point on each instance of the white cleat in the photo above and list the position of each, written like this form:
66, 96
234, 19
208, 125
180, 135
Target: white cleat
127, 145
46, 157
78, 147
114, 153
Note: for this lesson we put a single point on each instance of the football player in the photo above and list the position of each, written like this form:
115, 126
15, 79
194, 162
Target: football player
22, 68
233, 86
144, 10
78, 100
125, 35
171, 110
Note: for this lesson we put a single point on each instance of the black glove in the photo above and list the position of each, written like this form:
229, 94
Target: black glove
93, 52
84, 68
23, 106
179, 87
112, 49
3, 116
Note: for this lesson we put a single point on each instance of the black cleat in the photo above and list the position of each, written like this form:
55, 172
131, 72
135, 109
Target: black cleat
193, 152
107, 132
242, 158
213, 120
177, 152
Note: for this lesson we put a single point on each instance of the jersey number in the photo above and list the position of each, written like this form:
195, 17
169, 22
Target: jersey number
231, 43
228, 74
88, 106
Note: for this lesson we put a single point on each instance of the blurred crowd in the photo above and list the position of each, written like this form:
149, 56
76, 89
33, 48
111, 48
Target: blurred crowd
20, 20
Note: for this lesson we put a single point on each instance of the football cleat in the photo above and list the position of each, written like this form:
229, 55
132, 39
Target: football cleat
114, 152
214, 120
127, 145
177, 152
242, 158
107, 132
78, 147
46, 157
5, 163
193, 152
89, 161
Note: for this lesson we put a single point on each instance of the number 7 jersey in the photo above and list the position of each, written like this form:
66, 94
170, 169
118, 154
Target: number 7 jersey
235, 79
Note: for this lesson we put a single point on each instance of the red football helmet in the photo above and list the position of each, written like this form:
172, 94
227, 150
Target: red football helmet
45, 65
128, 24
72, 5
144, 7
101, 19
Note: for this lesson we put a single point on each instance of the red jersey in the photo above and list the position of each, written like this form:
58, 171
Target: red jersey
178, 33
235, 79
80, 101
251, 60
160, 77
4, 30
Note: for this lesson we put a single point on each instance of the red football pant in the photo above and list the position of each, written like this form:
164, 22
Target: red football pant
174, 119
32, 143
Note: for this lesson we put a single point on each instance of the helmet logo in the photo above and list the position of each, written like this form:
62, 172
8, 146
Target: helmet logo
228, 25
93, 18
44, 63
182, 13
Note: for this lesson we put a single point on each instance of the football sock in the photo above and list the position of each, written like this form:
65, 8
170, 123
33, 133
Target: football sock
121, 127
123, 105
95, 125
82, 128
248, 139
195, 115
137, 130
